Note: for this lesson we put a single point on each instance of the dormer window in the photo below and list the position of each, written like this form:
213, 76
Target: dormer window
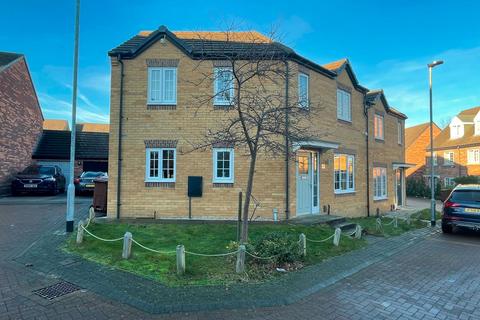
456, 131
477, 127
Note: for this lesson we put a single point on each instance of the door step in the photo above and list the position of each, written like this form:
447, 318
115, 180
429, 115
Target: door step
312, 219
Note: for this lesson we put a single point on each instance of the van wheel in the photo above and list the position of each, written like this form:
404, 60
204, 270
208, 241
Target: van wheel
446, 228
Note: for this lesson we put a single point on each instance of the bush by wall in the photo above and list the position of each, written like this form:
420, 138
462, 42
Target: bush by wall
418, 187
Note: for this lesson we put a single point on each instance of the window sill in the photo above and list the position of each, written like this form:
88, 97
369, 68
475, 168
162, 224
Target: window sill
159, 184
223, 184
161, 106
380, 140
344, 193
161, 103
380, 199
347, 122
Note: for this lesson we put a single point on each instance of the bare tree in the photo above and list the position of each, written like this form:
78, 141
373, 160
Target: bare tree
251, 81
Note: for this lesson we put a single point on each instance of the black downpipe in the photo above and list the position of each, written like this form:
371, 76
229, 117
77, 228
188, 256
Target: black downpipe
119, 155
287, 145
365, 107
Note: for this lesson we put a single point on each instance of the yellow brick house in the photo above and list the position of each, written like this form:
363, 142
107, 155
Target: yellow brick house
354, 169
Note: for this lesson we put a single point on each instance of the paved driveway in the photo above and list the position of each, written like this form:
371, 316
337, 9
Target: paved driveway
433, 279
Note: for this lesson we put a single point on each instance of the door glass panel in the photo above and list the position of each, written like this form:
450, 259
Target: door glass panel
315, 179
303, 164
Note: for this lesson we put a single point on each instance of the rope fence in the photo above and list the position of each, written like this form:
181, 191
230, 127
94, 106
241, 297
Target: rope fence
180, 251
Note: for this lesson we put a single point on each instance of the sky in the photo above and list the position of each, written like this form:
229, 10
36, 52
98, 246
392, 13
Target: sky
389, 44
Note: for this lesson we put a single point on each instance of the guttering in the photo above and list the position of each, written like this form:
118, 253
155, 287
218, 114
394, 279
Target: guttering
365, 108
287, 145
119, 154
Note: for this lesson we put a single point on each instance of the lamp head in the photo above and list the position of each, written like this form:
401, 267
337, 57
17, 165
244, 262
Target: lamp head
435, 63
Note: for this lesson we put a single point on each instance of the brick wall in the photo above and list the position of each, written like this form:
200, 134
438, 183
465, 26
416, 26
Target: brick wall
20, 121
416, 152
187, 121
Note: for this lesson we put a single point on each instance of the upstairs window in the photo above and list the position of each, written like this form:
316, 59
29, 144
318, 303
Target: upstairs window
379, 183
160, 165
456, 131
223, 165
303, 82
448, 158
344, 108
435, 159
474, 156
224, 92
162, 86
378, 127
344, 174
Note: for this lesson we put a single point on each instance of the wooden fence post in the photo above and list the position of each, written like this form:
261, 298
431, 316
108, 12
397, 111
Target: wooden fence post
80, 232
127, 245
180, 259
240, 267
336, 236
303, 244
358, 232
395, 222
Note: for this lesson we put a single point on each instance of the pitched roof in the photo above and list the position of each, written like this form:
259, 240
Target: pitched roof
469, 114
373, 95
54, 124
246, 44
237, 36
93, 127
414, 132
6, 58
336, 65
55, 144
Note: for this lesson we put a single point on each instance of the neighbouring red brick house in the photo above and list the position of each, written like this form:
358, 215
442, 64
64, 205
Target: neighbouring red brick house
20, 117
417, 138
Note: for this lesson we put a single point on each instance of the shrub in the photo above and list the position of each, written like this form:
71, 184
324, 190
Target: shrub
467, 180
282, 245
418, 187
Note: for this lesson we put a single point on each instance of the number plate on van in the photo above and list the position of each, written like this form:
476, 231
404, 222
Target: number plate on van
472, 210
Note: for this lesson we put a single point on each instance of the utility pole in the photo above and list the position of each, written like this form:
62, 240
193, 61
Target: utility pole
71, 186
432, 176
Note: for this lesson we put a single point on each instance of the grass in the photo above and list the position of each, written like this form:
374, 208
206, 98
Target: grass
425, 215
370, 226
203, 238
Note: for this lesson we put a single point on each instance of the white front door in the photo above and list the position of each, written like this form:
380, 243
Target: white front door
307, 183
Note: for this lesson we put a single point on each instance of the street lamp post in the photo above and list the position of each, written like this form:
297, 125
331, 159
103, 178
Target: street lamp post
432, 176
71, 186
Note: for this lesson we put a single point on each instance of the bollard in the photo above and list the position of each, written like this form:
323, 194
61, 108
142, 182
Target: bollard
80, 232
127, 245
378, 225
91, 214
303, 244
336, 236
180, 259
240, 267
358, 232
395, 222
408, 219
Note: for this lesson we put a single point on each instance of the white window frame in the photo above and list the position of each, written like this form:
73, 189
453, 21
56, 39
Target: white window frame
448, 158
380, 183
160, 165
162, 88
449, 182
217, 96
303, 101
230, 179
350, 159
399, 132
344, 105
379, 120
473, 156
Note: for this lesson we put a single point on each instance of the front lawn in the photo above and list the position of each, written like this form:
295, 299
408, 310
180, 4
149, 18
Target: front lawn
388, 229
425, 214
208, 238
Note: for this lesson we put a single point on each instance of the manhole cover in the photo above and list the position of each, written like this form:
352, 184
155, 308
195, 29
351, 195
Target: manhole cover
57, 290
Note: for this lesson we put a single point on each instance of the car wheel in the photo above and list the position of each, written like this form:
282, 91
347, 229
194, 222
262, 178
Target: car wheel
446, 228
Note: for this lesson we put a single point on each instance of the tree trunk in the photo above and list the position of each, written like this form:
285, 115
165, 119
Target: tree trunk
248, 194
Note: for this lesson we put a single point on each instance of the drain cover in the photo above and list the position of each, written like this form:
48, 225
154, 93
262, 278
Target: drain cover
56, 290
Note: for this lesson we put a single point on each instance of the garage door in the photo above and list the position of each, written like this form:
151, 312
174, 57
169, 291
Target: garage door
64, 165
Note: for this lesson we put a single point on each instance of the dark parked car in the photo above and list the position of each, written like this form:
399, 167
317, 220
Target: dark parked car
39, 179
85, 183
462, 208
